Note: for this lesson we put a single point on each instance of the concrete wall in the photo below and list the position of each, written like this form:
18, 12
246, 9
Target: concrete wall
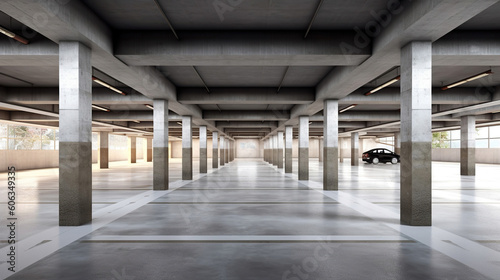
248, 148
453, 155
29, 159
118, 155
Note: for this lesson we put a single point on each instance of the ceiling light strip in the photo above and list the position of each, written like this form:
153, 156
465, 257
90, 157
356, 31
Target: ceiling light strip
107, 85
466, 80
101, 108
13, 35
348, 108
313, 18
386, 84
149, 106
166, 18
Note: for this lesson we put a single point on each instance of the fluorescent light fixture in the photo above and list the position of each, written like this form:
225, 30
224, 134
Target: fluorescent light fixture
348, 108
149, 106
101, 108
7, 33
179, 123
136, 121
386, 84
466, 80
107, 85
13, 35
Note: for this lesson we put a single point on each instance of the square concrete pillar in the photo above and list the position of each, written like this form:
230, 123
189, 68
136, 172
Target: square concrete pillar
160, 144
148, 150
288, 149
397, 143
275, 150
320, 151
75, 138
187, 148
303, 148
103, 150
468, 146
203, 149
215, 149
226, 152
280, 149
355, 149
341, 149
132, 149
222, 145
416, 135
331, 145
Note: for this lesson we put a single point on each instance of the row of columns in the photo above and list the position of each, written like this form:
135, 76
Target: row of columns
75, 146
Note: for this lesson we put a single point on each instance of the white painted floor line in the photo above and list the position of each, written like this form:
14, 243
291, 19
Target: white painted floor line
39, 246
229, 238
476, 256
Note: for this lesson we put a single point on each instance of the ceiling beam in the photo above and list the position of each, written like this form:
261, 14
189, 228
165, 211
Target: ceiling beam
238, 48
246, 115
246, 96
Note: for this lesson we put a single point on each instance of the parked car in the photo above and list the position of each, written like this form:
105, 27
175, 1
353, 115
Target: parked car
380, 155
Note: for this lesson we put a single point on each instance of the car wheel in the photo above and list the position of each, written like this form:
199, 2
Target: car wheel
375, 160
394, 160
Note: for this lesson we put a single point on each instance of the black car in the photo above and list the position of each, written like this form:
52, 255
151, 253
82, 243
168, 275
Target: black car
380, 155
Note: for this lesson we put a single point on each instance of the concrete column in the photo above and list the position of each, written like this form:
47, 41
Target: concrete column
132, 149
355, 149
397, 143
416, 137
320, 151
75, 138
187, 148
231, 147
222, 151
103, 151
331, 145
271, 149
341, 149
148, 153
303, 148
275, 150
280, 149
288, 149
160, 144
203, 149
215, 149
468, 146
226, 152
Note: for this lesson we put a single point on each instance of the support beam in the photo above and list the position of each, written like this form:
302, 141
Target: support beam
341, 149
468, 146
279, 139
355, 149
245, 96
331, 144
303, 148
246, 115
132, 149
251, 48
397, 143
75, 138
215, 149
222, 151
320, 151
103, 150
416, 149
187, 148
160, 145
148, 150
288, 149
203, 149
226, 150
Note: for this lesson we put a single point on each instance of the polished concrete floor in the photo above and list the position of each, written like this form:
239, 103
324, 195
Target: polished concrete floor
249, 220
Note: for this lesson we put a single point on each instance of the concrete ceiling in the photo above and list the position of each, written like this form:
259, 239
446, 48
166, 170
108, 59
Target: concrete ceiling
315, 62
